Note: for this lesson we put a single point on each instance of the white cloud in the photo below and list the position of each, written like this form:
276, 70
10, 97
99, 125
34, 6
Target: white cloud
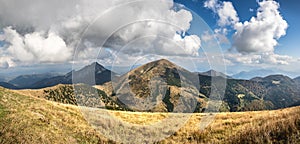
3, 64
207, 36
226, 13
189, 45
221, 35
6, 62
227, 16
253, 40
36, 46
211, 4
41, 31
1, 37
265, 58
157, 35
16, 45
260, 34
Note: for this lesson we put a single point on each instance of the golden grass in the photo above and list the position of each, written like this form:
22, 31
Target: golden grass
39, 93
279, 126
32, 120
28, 119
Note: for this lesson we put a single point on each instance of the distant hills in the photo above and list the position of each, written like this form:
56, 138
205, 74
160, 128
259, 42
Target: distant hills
24, 81
261, 73
8, 85
297, 79
162, 86
253, 73
214, 74
2, 79
91, 74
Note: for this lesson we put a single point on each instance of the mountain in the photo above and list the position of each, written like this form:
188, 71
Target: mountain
214, 73
281, 91
297, 79
253, 73
25, 81
260, 93
2, 79
263, 73
162, 86
91, 75
8, 85
159, 86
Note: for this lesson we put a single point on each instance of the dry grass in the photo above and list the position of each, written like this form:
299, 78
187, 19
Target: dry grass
31, 120
279, 126
27, 119
39, 93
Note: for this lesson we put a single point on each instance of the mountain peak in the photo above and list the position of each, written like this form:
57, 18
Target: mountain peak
214, 73
163, 62
156, 67
297, 79
278, 77
96, 65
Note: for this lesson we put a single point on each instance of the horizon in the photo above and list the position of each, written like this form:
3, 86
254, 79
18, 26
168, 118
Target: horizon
210, 37
125, 70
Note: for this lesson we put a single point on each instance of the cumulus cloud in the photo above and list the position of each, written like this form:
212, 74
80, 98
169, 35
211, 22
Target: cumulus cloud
1, 37
226, 13
219, 34
6, 62
265, 58
157, 25
227, 16
3, 64
212, 4
36, 46
260, 34
49, 31
254, 41
189, 45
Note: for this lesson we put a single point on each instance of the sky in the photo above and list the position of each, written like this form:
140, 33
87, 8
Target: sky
230, 36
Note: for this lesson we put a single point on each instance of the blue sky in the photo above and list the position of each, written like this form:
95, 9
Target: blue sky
253, 34
288, 44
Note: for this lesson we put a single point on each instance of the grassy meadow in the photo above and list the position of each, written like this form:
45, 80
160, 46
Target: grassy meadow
26, 118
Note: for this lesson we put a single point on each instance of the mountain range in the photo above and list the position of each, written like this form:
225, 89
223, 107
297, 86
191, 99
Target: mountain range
214, 73
261, 73
25, 81
162, 86
93, 74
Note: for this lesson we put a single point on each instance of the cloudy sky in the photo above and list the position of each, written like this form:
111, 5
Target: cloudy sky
230, 36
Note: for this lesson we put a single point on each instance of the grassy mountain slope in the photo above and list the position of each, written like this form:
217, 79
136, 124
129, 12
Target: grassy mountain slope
159, 86
27, 119
162, 86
